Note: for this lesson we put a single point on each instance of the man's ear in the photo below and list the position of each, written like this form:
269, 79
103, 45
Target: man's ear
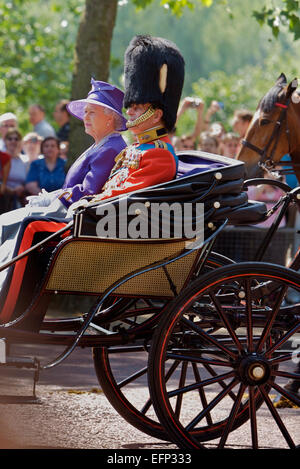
158, 115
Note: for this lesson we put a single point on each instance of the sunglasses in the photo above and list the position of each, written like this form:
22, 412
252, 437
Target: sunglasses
13, 139
32, 140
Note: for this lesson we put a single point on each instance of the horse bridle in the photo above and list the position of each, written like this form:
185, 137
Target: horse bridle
266, 162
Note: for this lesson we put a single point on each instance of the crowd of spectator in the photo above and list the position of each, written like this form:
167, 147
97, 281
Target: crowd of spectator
36, 160
208, 135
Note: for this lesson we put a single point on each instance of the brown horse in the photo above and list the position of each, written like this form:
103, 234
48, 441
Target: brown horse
274, 131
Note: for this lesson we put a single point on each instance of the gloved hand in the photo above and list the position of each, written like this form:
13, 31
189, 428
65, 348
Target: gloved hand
43, 199
80, 203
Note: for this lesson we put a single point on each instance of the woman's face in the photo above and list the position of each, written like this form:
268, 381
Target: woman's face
209, 145
50, 149
32, 146
96, 122
13, 144
231, 148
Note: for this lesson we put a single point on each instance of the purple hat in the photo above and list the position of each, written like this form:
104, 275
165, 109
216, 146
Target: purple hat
103, 94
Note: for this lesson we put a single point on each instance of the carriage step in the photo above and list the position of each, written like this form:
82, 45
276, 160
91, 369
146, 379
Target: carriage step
29, 363
21, 362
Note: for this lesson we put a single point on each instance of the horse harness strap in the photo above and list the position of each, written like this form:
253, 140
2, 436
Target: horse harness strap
266, 162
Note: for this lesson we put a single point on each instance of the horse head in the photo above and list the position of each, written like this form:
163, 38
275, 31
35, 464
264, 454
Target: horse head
273, 130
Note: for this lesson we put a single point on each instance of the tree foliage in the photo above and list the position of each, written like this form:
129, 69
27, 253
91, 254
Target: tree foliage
277, 14
283, 14
37, 40
37, 44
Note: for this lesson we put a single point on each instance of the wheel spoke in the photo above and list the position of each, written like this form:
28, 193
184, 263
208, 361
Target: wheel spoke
231, 417
291, 396
193, 359
277, 418
211, 405
133, 377
146, 407
201, 393
196, 386
249, 315
181, 384
221, 383
283, 339
280, 359
225, 321
171, 370
208, 337
286, 374
252, 414
271, 319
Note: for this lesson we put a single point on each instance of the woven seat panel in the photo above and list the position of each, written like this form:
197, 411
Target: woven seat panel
91, 267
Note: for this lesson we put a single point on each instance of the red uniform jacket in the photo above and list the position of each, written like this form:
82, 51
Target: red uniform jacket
139, 166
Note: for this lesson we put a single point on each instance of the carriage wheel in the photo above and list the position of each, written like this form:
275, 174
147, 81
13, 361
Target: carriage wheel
231, 336
121, 386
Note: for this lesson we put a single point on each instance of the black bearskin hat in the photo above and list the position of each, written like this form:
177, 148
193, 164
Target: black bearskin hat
154, 73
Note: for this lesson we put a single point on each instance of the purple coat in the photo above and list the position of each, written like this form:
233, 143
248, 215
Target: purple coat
90, 171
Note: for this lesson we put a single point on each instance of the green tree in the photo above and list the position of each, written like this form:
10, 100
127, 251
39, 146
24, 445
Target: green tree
36, 40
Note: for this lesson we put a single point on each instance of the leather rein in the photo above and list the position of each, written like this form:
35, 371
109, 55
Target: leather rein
266, 161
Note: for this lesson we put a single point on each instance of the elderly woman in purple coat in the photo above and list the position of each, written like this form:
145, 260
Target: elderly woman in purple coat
101, 113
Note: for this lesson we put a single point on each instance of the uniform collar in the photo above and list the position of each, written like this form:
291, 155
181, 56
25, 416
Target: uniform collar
151, 134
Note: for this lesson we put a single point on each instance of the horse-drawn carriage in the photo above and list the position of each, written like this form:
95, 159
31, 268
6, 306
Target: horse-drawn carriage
220, 336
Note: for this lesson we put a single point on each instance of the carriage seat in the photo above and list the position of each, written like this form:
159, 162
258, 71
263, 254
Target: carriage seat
238, 209
252, 213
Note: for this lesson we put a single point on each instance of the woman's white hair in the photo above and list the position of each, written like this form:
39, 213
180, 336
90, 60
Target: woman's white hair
118, 122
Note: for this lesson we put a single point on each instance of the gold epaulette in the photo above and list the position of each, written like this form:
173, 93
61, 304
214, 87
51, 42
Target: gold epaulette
160, 144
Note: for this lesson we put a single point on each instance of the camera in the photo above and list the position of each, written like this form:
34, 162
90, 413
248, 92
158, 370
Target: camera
195, 102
